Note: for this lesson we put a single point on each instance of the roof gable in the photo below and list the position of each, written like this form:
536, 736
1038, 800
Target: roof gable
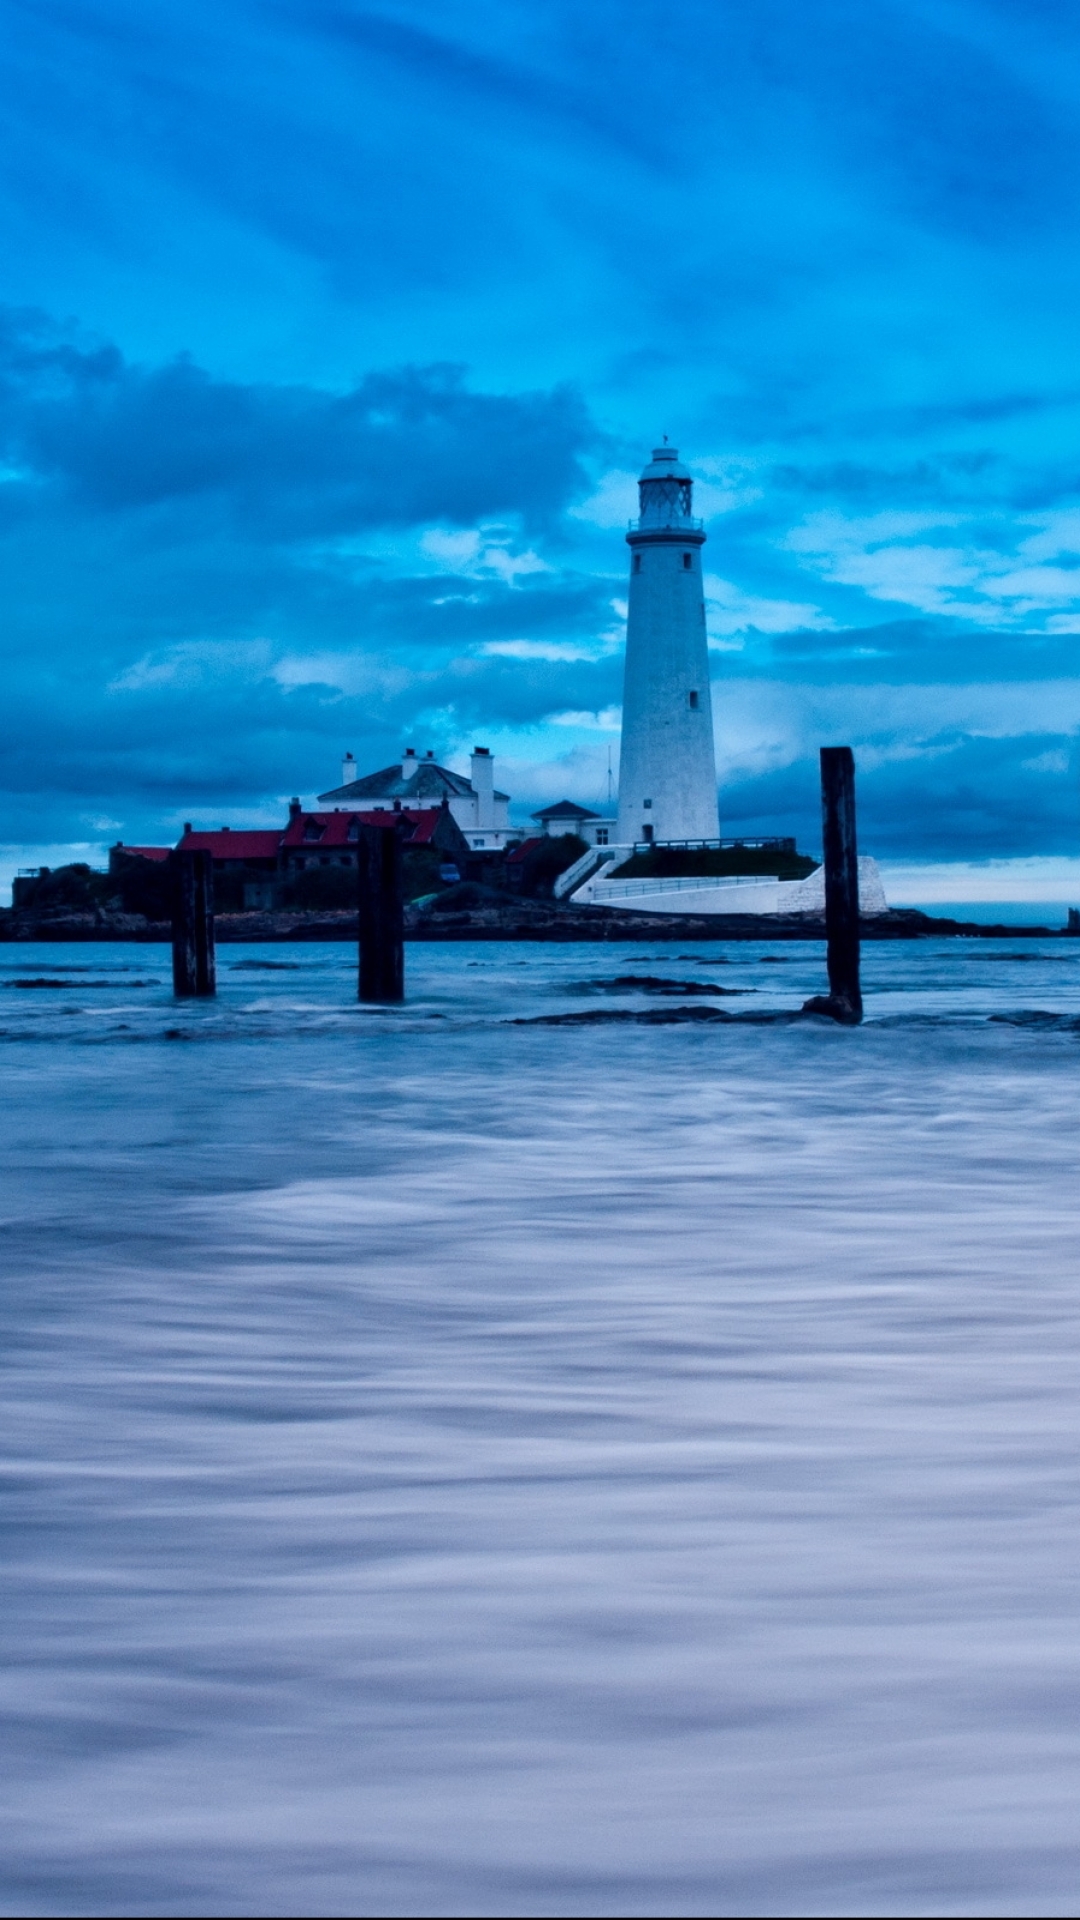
566, 810
429, 782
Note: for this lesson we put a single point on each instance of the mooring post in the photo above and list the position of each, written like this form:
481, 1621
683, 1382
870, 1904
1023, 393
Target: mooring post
844, 999
382, 914
194, 971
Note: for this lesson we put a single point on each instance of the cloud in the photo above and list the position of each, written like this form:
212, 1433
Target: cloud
881, 556
255, 509
208, 585
478, 552
398, 449
731, 611
1033, 878
538, 650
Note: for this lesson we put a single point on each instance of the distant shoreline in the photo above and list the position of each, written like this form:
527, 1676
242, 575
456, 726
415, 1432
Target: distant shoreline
530, 920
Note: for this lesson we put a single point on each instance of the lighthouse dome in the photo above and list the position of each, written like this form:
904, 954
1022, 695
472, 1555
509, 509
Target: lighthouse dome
666, 465
666, 491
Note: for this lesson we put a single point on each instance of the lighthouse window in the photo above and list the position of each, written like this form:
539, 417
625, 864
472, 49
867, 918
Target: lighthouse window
646, 803
687, 560
637, 563
694, 701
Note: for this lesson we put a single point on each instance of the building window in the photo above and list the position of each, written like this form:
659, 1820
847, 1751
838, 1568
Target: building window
688, 561
646, 803
601, 836
637, 563
694, 702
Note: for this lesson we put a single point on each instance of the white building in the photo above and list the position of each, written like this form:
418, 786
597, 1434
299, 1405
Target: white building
481, 811
596, 829
667, 781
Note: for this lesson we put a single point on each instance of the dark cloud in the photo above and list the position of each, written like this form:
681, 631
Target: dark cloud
400, 449
926, 651
832, 244
963, 140
509, 86
958, 798
929, 481
169, 539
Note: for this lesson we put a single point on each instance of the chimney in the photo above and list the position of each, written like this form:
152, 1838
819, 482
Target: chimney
348, 770
483, 778
409, 763
294, 807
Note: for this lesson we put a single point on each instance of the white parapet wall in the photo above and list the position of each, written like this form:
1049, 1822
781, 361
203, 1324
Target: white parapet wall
699, 894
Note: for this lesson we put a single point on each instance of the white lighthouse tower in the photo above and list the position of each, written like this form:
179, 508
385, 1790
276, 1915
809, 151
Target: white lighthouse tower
667, 780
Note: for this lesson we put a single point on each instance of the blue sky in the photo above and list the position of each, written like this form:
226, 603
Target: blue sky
332, 338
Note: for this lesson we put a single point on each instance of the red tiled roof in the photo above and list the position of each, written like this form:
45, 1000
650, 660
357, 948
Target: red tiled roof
226, 845
144, 853
333, 831
334, 827
426, 819
519, 852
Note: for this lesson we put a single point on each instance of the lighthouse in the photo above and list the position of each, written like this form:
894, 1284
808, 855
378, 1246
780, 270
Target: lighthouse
667, 779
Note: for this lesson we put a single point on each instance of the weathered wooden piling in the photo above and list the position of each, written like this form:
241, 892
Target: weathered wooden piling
194, 971
844, 999
382, 914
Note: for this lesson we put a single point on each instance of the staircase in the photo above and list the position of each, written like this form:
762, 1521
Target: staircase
576, 884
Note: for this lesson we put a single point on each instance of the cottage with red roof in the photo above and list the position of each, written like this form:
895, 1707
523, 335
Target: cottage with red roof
252, 867
330, 839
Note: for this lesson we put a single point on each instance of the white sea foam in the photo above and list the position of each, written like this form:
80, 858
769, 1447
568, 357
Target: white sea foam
462, 1467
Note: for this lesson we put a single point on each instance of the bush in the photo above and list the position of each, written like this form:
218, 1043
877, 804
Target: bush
543, 863
322, 889
73, 889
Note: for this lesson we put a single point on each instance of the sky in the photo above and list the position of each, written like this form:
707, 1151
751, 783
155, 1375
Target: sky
333, 337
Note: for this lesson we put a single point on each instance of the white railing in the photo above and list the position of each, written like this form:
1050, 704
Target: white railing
672, 522
572, 877
687, 883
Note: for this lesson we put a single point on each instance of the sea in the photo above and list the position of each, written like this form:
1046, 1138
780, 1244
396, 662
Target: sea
461, 1459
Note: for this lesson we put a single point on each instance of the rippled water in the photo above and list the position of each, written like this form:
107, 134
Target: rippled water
461, 1466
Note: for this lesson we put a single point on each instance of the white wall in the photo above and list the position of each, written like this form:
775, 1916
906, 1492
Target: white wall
668, 756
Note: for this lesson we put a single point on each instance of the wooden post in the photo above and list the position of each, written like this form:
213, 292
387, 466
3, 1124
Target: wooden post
382, 914
194, 972
844, 1000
